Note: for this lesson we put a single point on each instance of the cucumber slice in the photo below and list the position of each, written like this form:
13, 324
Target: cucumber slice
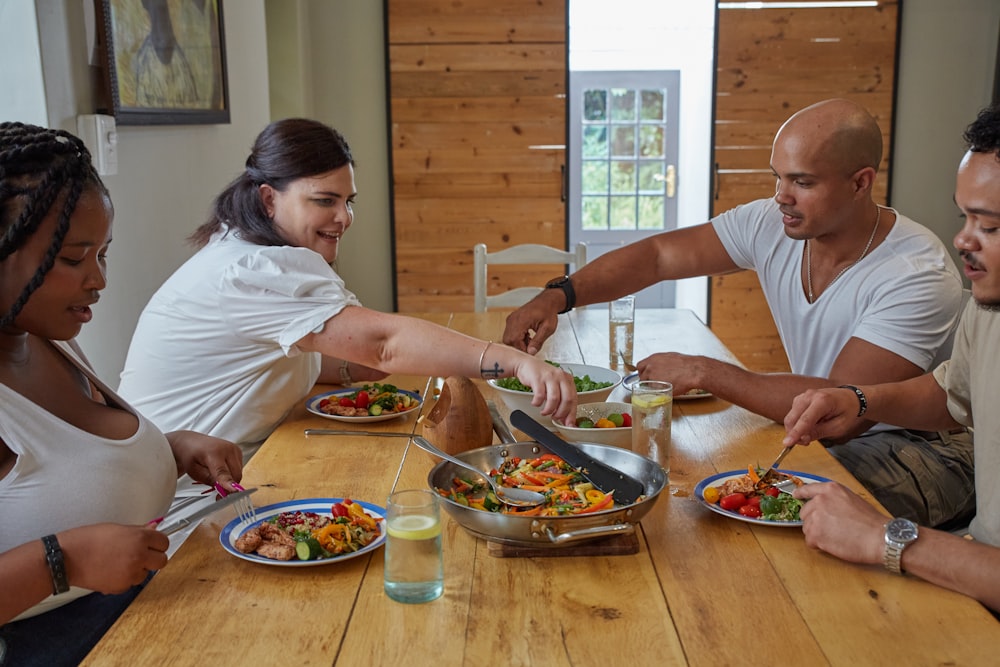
308, 549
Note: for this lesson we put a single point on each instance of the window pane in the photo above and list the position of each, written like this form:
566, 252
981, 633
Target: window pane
623, 177
651, 213
595, 177
622, 104
595, 141
651, 141
623, 141
595, 213
651, 177
623, 213
595, 104
652, 107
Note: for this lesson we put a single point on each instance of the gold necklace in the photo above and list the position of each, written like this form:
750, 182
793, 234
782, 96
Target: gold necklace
809, 277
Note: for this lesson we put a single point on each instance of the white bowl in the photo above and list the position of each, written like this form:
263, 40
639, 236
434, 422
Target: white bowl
521, 400
620, 436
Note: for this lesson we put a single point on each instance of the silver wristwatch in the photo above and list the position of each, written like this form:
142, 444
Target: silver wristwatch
899, 534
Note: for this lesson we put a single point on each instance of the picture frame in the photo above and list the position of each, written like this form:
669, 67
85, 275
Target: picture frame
164, 61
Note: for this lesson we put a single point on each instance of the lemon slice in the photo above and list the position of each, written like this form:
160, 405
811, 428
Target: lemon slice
645, 402
414, 527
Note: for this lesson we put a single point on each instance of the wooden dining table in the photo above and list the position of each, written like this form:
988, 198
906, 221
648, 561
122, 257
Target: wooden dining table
701, 589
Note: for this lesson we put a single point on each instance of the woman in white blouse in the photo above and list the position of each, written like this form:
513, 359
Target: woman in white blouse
244, 329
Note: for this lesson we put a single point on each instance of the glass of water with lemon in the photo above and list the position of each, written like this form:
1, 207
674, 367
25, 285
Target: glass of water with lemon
652, 407
413, 563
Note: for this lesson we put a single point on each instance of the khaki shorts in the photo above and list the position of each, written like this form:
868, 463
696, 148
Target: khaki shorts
926, 477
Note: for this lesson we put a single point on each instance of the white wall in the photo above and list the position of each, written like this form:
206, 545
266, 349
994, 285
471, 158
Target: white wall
21, 81
947, 61
167, 175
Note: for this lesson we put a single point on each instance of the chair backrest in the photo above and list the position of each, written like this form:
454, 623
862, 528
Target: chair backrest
527, 253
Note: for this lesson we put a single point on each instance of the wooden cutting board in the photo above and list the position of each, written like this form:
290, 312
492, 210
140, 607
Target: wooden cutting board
616, 545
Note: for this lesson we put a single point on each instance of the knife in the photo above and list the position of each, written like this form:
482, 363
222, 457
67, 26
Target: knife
176, 524
606, 478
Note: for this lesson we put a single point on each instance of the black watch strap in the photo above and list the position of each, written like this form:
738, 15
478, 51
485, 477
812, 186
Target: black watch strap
566, 285
57, 567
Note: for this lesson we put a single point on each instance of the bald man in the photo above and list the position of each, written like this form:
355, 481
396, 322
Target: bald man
860, 293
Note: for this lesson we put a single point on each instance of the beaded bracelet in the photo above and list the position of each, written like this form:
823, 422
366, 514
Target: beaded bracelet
862, 399
57, 567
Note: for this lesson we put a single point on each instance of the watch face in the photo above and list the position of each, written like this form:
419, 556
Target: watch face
901, 530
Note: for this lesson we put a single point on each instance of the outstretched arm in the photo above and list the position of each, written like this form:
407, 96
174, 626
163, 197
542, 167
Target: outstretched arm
399, 344
682, 253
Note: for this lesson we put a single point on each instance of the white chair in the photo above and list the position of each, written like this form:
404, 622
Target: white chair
527, 253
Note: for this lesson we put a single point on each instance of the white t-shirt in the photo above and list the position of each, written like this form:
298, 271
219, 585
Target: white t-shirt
65, 477
214, 350
904, 296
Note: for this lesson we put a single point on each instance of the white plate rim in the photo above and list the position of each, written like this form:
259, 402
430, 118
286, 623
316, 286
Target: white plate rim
312, 401
232, 530
632, 378
715, 480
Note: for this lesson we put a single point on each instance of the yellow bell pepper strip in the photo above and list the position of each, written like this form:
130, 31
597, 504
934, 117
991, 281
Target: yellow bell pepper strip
752, 471
604, 504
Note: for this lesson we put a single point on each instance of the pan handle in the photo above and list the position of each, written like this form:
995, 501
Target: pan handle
584, 533
500, 426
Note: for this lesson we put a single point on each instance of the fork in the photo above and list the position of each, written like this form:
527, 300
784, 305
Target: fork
631, 368
244, 507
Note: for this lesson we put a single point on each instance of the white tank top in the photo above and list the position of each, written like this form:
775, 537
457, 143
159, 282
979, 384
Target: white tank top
65, 477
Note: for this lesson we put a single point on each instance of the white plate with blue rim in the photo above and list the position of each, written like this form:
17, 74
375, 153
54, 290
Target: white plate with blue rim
315, 404
719, 479
631, 379
321, 506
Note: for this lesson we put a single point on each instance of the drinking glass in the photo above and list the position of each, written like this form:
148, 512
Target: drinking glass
652, 407
413, 563
621, 331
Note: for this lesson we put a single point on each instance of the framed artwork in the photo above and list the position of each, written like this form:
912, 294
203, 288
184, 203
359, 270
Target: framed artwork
164, 61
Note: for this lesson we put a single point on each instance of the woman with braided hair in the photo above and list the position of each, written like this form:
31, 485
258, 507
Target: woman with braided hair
82, 474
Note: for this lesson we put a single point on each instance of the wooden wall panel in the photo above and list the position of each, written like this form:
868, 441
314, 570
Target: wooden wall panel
771, 63
478, 121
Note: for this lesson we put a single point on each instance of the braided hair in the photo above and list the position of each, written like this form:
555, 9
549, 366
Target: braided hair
39, 168
284, 151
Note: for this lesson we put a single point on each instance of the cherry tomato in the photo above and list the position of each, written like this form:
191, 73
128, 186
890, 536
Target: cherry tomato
753, 501
773, 492
733, 501
752, 511
362, 400
346, 402
323, 403
626, 419
338, 509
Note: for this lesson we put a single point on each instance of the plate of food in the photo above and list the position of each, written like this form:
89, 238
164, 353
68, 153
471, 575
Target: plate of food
732, 495
306, 532
373, 402
694, 393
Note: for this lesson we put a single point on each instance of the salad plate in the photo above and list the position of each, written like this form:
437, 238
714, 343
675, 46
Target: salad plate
232, 530
694, 393
312, 405
716, 480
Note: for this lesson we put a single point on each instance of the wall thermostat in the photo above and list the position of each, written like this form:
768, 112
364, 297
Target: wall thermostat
100, 135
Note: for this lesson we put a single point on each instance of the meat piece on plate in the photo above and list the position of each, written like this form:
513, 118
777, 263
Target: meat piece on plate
276, 551
248, 542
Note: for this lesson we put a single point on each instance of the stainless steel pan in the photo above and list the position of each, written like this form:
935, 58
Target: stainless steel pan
541, 531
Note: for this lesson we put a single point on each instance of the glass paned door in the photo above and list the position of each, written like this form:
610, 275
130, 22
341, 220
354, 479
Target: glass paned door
623, 162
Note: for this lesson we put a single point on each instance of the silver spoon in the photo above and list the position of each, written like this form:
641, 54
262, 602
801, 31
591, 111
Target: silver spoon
508, 495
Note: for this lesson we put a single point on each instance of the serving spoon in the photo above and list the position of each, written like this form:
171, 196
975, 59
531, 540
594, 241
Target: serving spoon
508, 495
